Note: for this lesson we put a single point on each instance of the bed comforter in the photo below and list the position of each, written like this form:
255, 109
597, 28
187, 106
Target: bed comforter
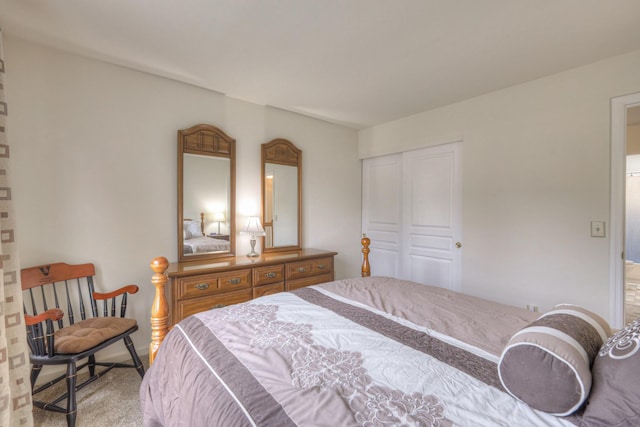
203, 244
359, 352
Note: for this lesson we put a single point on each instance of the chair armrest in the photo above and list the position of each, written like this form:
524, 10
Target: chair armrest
131, 289
53, 314
41, 342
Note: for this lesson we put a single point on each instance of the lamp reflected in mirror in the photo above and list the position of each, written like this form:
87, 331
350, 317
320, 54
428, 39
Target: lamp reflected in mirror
254, 228
206, 187
218, 217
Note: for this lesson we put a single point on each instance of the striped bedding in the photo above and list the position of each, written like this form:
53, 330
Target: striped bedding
360, 352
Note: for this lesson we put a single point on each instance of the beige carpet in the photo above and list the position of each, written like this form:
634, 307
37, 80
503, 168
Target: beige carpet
107, 402
631, 302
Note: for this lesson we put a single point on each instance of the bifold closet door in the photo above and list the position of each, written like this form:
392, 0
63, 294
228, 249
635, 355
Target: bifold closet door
412, 204
431, 231
382, 212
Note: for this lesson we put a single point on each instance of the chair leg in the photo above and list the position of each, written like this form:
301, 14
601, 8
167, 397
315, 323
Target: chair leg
35, 371
92, 365
71, 398
134, 356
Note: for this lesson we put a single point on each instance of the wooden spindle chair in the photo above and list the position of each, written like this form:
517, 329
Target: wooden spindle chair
61, 292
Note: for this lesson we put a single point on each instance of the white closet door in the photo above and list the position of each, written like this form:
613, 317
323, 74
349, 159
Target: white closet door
432, 199
382, 212
412, 212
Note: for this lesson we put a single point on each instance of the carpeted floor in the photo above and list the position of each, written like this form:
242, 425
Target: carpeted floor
107, 402
632, 302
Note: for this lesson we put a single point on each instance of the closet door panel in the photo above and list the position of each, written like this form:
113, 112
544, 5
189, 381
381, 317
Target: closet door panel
382, 212
432, 271
431, 188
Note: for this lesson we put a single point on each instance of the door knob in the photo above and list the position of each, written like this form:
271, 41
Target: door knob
458, 245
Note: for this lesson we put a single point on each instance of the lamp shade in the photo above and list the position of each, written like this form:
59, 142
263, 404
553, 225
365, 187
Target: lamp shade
254, 227
218, 217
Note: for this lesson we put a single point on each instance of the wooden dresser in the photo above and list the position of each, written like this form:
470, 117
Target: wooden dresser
202, 285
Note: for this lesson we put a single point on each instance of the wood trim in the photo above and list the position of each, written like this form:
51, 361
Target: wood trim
366, 268
49, 273
159, 307
284, 152
51, 314
130, 289
208, 140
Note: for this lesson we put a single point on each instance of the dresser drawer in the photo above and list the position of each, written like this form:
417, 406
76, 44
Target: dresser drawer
297, 270
207, 284
308, 281
235, 280
269, 274
192, 306
273, 288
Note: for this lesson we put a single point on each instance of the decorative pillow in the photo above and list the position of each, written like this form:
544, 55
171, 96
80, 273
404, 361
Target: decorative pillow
547, 363
615, 395
192, 229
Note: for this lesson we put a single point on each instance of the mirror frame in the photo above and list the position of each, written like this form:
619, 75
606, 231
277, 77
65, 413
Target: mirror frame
206, 140
284, 152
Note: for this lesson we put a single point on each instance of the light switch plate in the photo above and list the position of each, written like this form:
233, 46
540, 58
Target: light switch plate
597, 229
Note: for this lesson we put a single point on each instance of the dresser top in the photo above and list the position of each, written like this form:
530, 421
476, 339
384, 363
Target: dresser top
180, 269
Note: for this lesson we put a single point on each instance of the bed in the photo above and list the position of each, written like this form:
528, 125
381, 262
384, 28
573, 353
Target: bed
195, 241
203, 244
378, 351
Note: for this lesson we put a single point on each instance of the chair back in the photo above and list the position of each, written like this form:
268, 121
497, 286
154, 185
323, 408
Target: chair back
63, 286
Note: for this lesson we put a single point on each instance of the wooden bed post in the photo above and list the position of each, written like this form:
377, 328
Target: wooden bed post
366, 269
160, 307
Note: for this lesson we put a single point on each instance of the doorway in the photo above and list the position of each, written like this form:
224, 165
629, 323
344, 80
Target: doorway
632, 217
624, 112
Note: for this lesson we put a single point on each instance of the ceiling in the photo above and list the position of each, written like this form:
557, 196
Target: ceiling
354, 62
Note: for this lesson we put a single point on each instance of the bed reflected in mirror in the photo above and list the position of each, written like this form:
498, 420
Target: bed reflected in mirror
205, 205
206, 184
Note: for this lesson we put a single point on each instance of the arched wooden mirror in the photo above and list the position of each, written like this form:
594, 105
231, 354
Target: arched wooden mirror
281, 195
206, 193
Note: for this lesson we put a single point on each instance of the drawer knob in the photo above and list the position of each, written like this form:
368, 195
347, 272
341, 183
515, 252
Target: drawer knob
234, 281
270, 275
302, 270
321, 266
202, 286
218, 306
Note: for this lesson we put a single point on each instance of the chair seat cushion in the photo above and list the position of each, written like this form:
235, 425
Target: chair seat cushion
89, 333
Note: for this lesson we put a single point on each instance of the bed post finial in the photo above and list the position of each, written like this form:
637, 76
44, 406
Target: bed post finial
366, 269
160, 307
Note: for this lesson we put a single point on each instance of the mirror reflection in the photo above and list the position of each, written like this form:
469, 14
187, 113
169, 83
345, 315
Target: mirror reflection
280, 205
206, 186
206, 201
281, 195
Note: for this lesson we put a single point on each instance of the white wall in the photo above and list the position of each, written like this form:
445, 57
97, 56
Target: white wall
536, 172
94, 150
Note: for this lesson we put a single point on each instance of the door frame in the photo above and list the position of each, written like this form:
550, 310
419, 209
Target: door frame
619, 106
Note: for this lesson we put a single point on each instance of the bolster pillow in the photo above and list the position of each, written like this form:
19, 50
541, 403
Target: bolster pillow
547, 364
